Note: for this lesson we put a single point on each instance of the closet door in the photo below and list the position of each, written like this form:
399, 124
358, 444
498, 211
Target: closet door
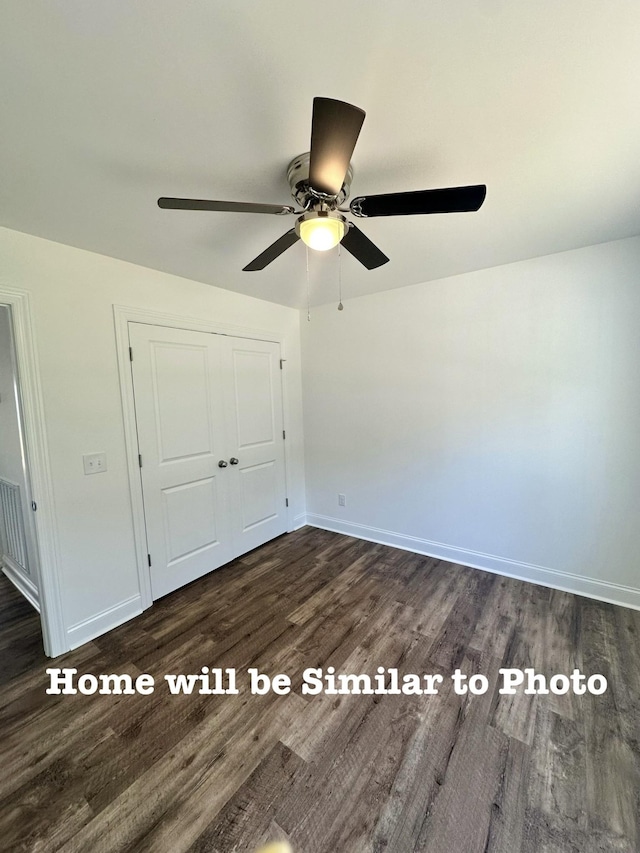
254, 422
210, 436
180, 414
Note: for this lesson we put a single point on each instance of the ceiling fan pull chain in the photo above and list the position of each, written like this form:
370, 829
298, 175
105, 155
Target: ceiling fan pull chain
340, 305
308, 289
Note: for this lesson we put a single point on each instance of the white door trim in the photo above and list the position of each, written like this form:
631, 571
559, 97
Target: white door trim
123, 315
48, 568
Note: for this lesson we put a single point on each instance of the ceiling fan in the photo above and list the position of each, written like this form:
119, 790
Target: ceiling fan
320, 182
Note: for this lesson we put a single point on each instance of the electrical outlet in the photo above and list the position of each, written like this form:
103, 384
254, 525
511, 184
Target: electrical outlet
342, 501
94, 463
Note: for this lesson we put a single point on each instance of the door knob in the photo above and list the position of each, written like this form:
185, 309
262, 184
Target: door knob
222, 463
233, 460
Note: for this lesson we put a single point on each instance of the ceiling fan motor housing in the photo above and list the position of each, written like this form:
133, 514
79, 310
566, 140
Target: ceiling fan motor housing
322, 214
301, 191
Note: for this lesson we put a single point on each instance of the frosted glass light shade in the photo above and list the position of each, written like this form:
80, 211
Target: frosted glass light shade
322, 233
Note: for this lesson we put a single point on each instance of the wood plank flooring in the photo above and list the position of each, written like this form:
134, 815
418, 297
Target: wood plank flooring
444, 773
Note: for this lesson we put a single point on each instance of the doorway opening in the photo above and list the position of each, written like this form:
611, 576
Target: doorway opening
20, 628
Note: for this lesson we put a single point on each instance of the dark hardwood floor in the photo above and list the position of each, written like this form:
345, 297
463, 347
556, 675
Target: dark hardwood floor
20, 634
444, 773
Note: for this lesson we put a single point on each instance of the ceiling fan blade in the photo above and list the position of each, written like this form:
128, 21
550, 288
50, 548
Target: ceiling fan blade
275, 250
362, 249
450, 200
224, 206
335, 128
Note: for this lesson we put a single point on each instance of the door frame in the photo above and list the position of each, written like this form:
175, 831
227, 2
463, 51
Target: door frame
41, 484
123, 315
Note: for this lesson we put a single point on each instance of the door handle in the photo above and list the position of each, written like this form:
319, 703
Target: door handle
233, 460
222, 463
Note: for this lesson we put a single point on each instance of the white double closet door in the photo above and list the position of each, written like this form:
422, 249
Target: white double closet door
210, 434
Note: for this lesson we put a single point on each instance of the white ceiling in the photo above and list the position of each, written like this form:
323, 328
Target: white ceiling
108, 105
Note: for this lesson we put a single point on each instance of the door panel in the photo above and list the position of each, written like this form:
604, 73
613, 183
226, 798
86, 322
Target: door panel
181, 379
190, 518
258, 494
202, 398
254, 398
177, 377
254, 418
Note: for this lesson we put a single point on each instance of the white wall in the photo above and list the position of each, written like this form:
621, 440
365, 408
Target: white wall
73, 293
492, 418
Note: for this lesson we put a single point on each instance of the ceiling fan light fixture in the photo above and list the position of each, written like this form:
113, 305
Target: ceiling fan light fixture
321, 229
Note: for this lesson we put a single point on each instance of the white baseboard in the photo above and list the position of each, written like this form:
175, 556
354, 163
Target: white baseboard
299, 521
99, 624
612, 593
22, 583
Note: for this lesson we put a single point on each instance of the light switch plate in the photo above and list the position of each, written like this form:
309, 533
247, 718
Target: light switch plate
94, 463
